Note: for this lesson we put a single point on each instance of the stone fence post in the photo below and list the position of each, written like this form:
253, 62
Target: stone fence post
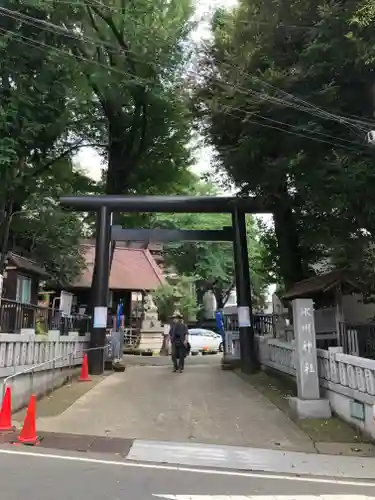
308, 403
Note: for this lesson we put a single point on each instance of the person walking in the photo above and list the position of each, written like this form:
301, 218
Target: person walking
179, 341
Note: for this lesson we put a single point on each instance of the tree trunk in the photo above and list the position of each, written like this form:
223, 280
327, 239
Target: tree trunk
116, 182
5, 228
219, 298
290, 255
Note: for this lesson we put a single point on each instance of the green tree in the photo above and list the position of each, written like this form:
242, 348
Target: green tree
165, 301
187, 303
78, 73
286, 101
176, 296
49, 234
132, 55
38, 113
210, 263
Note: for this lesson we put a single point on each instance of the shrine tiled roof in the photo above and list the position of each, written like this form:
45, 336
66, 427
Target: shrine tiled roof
132, 269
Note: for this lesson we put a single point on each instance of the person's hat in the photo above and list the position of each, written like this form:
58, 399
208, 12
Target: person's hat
177, 315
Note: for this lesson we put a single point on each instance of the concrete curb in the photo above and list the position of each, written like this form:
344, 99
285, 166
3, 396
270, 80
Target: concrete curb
252, 459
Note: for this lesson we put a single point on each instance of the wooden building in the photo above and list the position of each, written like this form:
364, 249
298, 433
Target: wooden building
134, 273
328, 291
22, 278
19, 301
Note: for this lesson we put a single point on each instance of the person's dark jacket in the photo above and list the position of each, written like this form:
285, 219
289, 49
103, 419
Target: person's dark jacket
178, 333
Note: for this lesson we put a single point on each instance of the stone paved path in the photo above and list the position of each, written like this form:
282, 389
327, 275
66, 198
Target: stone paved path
204, 404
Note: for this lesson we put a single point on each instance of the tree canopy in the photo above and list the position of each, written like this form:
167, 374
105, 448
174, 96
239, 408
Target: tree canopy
48, 233
84, 73
131, 55
37, 112
286, 99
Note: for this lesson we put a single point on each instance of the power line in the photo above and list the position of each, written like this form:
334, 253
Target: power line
298, 134
293, 102
342, 118
306, 107
297, 127
262, 96
96, 41
42, 45
319, 111
56, 29
59, 30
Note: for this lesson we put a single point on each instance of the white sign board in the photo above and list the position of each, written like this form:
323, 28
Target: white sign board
100, 317
66, 300
243, 316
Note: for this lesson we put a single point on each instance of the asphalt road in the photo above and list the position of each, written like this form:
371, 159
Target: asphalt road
35, 475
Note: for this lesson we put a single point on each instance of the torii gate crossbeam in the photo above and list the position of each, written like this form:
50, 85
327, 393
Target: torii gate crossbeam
164, 235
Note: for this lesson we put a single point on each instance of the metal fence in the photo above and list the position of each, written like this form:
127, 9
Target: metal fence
263, 324
358, 339
16, 316
51, 363
115, 340
132, 337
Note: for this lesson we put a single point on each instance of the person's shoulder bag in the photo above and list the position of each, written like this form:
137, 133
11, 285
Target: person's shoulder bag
187, 346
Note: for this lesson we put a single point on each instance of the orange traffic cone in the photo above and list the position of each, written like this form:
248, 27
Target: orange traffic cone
6, 413
85, 370
28, 432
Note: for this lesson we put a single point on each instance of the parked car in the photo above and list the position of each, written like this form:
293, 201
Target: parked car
202, 340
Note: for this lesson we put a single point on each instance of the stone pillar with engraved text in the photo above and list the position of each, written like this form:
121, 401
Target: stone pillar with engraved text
307, 404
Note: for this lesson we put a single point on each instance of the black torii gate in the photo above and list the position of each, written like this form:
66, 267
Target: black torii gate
105, 232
